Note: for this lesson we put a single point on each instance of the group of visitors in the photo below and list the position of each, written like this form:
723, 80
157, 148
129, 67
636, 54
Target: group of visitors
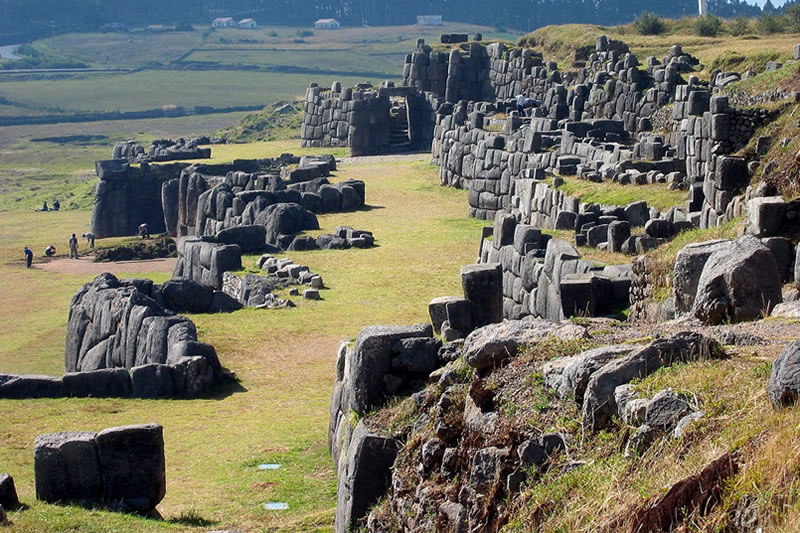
143, 232
50, 251
45, 207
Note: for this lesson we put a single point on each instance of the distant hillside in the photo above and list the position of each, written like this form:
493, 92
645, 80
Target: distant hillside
279, 121
37, 17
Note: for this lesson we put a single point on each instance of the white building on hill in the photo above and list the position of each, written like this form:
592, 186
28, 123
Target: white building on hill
247, 24
223, 22
327, 24
429, 20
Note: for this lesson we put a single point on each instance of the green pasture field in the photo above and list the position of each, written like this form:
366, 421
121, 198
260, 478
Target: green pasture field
43, 162
142, 48
152, 89
278, 412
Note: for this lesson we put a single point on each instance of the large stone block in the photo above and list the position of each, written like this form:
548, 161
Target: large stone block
371, 361
8, 493
133, 467
689, 265
104, 383
765, 215
483, 287
740, 282
364, 476
151, 381
67, 468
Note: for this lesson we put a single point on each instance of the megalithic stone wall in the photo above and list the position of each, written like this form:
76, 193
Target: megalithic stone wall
709, 131
545, 277
347, 117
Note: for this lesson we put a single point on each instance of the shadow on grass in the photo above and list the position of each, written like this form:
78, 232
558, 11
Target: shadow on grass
191, 518
368, 207
227, 387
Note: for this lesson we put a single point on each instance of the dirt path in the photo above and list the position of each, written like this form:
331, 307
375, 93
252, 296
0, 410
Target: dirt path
86, 265
387, 158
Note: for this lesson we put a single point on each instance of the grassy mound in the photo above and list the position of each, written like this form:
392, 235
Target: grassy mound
278, 121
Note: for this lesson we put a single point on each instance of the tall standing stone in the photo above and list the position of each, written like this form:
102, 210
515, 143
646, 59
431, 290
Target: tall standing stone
483, 287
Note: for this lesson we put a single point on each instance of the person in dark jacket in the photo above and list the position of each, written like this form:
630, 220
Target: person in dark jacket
28, 257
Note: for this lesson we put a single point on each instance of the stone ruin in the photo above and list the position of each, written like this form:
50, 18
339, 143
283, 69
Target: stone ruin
221, 200
123, 342
122, 468
367, 120
162, 150
607, 120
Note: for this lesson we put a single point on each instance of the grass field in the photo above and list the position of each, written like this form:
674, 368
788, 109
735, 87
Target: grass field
152, 89
284, 359
164, 63
43, 162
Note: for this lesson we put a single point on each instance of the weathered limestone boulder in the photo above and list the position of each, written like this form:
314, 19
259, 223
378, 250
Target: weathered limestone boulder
784, 381
114, 327
133, 468
204, 261
665, 410
364, 475
599, 404
493, 344
250, 238
740, 282
285, 219
784, 310
569, 376
487, 468
184, 295
689, 265
8, 493
67, 468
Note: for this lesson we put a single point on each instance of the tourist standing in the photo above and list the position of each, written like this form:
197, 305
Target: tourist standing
73, 247
28, 257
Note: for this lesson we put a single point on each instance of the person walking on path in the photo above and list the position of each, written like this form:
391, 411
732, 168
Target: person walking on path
28, 257
73, 247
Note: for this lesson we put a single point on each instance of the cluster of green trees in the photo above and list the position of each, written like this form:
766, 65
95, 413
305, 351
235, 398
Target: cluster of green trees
43, 16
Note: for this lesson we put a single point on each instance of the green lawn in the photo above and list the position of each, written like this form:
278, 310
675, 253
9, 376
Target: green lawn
152, 89
284, 358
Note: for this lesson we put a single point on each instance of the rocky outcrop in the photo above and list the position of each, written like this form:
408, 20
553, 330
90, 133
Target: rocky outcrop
120, 468
119, 334
739, 282
204, 261
784, 380
491, 345
599, 403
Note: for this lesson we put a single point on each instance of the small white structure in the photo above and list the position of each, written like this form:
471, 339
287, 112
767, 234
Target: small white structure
429, 20
702, 7
223, 22
247, 24
327, 24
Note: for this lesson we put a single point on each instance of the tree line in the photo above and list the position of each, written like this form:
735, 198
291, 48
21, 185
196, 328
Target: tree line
43, 16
